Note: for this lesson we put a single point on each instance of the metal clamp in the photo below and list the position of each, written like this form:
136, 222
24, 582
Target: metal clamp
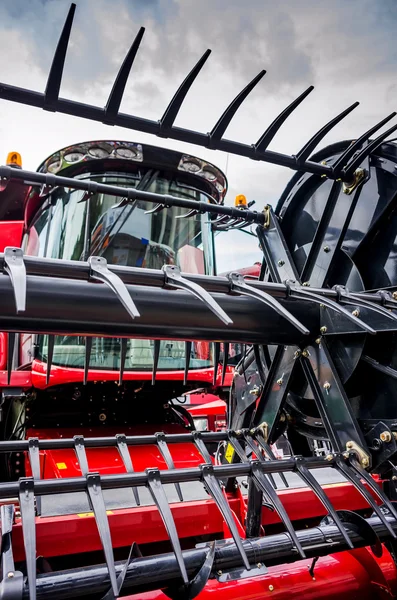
99, 270
26, 504
174, 279
15, 267
34, 458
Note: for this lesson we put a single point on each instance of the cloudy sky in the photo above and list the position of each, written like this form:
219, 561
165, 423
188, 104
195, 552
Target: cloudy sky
345, 48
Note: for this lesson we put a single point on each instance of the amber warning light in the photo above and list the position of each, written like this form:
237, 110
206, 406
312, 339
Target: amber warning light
14, 159
240, 201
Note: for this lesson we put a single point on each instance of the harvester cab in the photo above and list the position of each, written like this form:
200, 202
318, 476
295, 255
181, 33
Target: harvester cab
107, 489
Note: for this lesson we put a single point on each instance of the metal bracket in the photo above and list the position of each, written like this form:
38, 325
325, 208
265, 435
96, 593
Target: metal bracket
34, 457
239, 285
358, 177
26, 504
15, 267
126, 458
201, 447
362, 456
81, 454
174, 279
166, 454
99, 270
197, 584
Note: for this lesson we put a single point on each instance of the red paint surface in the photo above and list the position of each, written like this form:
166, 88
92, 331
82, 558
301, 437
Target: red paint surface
10, 234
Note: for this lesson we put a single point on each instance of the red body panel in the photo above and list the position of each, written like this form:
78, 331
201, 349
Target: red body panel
10, 234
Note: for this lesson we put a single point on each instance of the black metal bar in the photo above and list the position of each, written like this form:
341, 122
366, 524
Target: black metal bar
15, 267
348, 172
160, 571
159, 497
188, 350
379, 367
11, 339
97, 502
201, 447
50, 355
213, 488
257, 449
223, 122
113, 104
362, 473
53, 86
217, 353
313, 484
224, 361
261, 481
156, 355
123, 356
167, 120
254, 510
26, 505
265, 139
343, 159
310, 146
237, 447
259, 365
126, 458
34, 459
269, 452
166, 454
88, 347
79, 446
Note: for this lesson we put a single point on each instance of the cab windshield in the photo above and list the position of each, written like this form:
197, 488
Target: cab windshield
73, 226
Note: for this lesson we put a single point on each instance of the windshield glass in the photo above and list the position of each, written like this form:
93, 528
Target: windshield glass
74, 226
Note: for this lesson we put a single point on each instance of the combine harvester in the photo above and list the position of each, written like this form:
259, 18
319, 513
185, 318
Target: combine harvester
107, 490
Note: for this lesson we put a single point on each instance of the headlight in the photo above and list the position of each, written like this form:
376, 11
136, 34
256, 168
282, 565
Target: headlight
209, 174
201, 424
98, 152
73, 157
126, 153
54, 166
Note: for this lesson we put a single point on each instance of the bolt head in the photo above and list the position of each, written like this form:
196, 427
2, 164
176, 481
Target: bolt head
326, 248
259, 565
329, 457
219, 572
349, 445
10, 575
323, 329
318, 341
356, 313
365, 462
306, 283
385, 436
394, 478
280, 381
394, 294
327, 385
281, 263
271, 588
297, 353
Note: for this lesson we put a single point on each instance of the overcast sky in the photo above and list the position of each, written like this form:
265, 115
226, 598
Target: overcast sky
345, 48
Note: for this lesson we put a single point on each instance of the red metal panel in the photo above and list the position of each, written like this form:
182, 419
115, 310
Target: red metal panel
18, 379
10, 234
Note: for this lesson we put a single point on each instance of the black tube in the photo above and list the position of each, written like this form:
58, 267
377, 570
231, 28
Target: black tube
63, 306
155, 572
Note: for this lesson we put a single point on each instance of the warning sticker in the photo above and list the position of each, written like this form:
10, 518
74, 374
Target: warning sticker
61, 466
91, 514
229, 453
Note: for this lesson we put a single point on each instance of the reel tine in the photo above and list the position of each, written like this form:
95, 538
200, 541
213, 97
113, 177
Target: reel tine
265, 139
173, 278
166, 454
157, 491
259, 365
156, 209
348, 171
15, 267
217, 352
378, 366
26, 505
351, 150
251, 442
50, 354
156, 355
88, 347
188, 351
237, 447
113, 104
374, 487
223, 122
97, 501
34, 459
308, 148
238, 284
201, 447
126, 458
171, 112
191, 213
123, 356
11, 340
99, 270
352, 300
81, 454
225, 361
266, 448
312, 482
214, 489
53, 86
7, 512
355, 479
265, 486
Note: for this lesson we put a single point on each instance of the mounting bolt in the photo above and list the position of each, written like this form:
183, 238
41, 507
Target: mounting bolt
385, 436
356, 312
318, 341
281, 263
394, 433
10, 575
326, 248
259, 565
271, 588
280, 381
345, 455
327, 386
394, 294
306, 283
323, 329
329, 457
394, 478
255, 391
297, 353
349, 445
305, 353
219, 573
364, 462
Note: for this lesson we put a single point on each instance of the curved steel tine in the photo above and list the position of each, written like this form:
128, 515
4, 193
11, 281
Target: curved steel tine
157, 491
191, 213
156, 209
308, 148
304, 294
273, 128
264, 485
217, 352
238, 284
256, 449
166, 454
126, 458
171, 112
88, 347
11, 341
26, 505
214, 489
378, 366
352, 300
173, 278
50, 354
156, 355
312, 482
355, 479
123, 355
350, 150
267, 450
225, 361
237, 447
188, 350
373, 485
113, 104
14, 266
228, 224
99, 270
220, 219
53, 86
348, 171
223, 122
259, 365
